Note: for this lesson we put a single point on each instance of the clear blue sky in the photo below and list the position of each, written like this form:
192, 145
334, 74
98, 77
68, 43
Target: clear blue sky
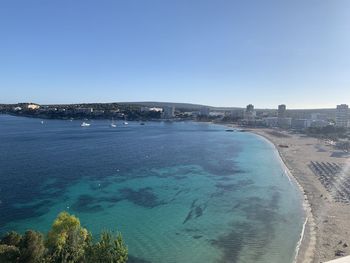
215, 52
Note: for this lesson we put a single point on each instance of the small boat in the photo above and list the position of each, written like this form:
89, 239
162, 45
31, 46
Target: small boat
142, 123
42, 122
230, 130
125, 122
85, 124
113, 124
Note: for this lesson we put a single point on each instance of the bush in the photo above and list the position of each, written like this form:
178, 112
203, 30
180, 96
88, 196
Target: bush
66, 242
108, 249
32, 247
9, 254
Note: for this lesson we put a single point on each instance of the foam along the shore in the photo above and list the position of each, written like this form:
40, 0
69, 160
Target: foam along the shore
327, 229
309, 220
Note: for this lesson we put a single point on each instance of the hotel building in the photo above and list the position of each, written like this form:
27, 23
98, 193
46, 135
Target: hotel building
342, 116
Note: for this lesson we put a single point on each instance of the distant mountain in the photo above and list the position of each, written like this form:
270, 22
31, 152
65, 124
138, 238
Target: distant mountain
184, 106
157, 104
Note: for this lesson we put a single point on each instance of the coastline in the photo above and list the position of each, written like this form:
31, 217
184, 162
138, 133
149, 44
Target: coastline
306, 243
327, 227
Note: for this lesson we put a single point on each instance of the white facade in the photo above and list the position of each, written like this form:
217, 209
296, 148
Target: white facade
285, 123
168, 112
300, 124
271, 121
33, 106
249, 113
319, 124
342, 116
84, 110
156, 109
282, 111
205, 111
318, 117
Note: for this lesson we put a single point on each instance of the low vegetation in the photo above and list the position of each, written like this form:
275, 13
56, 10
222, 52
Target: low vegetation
66, 242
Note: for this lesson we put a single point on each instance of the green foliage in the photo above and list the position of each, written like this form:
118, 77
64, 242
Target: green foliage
121, 249
32, 247
12, 239
9, 254
66, 242
108, 250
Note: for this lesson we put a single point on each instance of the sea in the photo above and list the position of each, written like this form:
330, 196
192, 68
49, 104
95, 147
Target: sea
184, 192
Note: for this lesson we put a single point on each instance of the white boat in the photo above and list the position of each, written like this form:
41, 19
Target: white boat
125, 122
85, 124
113, 124
42, 122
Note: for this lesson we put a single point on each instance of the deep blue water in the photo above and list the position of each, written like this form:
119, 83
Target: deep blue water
178, 192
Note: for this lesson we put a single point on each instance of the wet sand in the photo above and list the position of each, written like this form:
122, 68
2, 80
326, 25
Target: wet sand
327, 231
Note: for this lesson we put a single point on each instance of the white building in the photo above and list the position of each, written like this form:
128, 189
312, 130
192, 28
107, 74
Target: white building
285, 123
155, 109
319, 123
249, 113
282, 110
319, 117
301, 124
33, 106
204, 111
168, 112
271, 121
239, 113
83, 110
217, 114
342, 116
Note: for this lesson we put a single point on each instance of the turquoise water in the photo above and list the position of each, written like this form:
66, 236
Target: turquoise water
178, 192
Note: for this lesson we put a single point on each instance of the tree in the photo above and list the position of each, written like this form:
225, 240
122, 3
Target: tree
32, 247
108, 250
120, 249
9, 254
67, 240
11, 239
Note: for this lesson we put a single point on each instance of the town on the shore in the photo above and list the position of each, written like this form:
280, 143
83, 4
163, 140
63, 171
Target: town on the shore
280, 117
333, 123
250, 117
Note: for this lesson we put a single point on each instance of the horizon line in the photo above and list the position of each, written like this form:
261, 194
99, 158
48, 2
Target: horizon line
167, 102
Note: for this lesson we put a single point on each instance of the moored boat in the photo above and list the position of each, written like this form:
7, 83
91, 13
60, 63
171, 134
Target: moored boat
85, 124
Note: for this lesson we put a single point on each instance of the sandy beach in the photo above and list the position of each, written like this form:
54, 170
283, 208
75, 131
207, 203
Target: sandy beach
310, 161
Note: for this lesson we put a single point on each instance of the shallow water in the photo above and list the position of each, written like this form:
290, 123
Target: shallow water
178, 192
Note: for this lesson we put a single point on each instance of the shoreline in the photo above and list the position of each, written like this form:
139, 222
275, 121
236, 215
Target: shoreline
327, 230
304, 243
